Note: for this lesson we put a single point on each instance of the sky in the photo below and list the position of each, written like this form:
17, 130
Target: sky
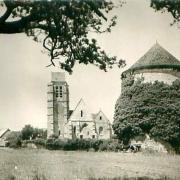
24, 75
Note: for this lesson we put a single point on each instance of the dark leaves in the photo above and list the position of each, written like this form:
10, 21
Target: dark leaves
171, 6
63, 27
153, 108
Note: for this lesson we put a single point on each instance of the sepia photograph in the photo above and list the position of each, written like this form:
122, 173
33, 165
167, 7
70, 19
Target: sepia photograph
90, 90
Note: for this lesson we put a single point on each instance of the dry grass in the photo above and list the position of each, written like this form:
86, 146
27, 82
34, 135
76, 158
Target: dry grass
23, 164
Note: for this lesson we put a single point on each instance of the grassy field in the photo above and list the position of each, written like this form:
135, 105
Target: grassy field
56, 165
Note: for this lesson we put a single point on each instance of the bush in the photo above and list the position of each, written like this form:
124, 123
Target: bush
55, 144
14, 140
110, 145
39, 142
29, 132
96, 144
83, 144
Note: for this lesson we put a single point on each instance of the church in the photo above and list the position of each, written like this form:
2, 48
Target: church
70, 124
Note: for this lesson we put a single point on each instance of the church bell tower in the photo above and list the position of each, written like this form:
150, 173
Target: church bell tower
57, 104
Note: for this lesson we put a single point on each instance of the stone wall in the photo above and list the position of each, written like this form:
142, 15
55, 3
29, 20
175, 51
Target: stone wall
103, 126
161, 77
57, 104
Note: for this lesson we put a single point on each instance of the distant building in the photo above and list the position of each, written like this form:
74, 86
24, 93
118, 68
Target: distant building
156, 65
77, 123
3, 137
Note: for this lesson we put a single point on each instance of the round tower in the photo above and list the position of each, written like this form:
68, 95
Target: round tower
156, 65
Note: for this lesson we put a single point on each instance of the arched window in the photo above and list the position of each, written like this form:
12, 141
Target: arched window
100, 117
100, 130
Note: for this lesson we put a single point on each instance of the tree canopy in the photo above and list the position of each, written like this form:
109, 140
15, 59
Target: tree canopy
148, 108
28, 132
63, 26
171, 6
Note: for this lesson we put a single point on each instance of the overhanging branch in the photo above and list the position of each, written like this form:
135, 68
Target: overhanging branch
5, 16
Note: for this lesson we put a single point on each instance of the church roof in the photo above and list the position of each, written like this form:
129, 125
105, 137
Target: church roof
80, 108
74, 115
156, 57
70, 112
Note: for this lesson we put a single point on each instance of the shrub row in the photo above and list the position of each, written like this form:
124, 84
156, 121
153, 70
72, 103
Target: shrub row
83, 144
78, 144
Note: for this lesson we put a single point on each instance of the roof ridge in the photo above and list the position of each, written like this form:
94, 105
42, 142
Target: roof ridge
156, 55
81, 100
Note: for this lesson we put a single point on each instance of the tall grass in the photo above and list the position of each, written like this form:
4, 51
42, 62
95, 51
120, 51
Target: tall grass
41, 164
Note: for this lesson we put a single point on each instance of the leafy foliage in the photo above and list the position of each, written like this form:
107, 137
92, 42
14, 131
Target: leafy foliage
83, 144
14, 139
171, 6
28, 132
63, 27
152, 108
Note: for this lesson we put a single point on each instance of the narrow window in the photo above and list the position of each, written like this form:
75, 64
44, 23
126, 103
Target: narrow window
60, 91
74, 129
81, 136
81, 113
93, 136
74, 132
59, 132
100, 117
88, 133
57, 91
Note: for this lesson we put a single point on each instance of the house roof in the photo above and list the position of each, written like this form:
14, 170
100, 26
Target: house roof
3, 131
156, 57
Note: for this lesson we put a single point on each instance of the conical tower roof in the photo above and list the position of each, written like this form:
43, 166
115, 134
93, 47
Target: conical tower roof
156, 57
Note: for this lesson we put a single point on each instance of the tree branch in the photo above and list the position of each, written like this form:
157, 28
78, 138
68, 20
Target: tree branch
5, 16
19, 26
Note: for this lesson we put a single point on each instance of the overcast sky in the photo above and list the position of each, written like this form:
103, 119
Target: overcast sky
24, 75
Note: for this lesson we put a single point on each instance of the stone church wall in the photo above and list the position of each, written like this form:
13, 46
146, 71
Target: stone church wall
103, 126
81, 123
